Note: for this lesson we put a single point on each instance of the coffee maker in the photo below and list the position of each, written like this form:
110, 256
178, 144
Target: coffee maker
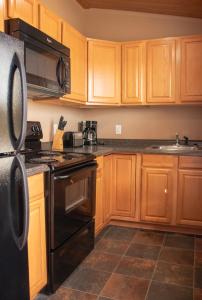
89, 130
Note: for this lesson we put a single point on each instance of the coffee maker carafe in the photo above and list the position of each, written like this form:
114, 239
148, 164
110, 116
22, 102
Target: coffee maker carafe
89, 129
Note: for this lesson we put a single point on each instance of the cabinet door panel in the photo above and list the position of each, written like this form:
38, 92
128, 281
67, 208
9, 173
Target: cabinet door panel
23, 9
189, 208
107, 187
37, 237
191, 69
99, 217
157, 194
50, 23
124, 185
2, 15
161, 71
133, 73
104, 72
78, 51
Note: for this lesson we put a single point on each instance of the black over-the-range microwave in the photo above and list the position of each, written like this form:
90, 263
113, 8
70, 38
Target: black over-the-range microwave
47, 62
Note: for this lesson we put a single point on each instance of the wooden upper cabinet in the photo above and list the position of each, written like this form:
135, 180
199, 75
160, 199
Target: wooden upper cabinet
124, 175
133, 72
78, 53
26, 10
189, 202
161, 71
104, 72
37, 236
191, 69
50, 23
2, 15
157, 191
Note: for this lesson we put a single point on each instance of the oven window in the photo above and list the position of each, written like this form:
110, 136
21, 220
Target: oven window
76, 194
41, 64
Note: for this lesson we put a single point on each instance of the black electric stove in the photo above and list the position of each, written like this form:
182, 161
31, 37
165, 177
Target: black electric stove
57, 159
70, 205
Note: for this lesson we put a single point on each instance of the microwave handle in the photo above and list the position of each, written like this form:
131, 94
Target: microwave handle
58, 71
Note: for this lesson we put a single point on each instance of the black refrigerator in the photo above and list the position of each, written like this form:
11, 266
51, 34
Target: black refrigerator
14, 200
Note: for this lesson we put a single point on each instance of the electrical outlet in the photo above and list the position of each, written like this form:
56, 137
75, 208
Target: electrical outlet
118, 129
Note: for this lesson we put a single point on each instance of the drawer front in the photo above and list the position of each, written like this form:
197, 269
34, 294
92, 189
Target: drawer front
36, 186
190, 162
159, 161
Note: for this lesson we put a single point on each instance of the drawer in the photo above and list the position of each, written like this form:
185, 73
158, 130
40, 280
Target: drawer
36, 186
190, 162
159, 161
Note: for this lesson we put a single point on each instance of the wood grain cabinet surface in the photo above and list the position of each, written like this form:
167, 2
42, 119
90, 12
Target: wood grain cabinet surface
99, 216
2, 3
50, 23
189, 201
161, 71
158, 188
37, 236
27, 10
133, 72
104, 72
124, 189
191, 69
107, 187
78, 51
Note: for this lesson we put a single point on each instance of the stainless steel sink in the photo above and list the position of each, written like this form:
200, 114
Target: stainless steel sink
174, 148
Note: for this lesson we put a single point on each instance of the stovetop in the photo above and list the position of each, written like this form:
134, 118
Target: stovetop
56, 159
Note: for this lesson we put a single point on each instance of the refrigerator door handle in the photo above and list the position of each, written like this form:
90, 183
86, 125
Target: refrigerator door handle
17, 142
21, 240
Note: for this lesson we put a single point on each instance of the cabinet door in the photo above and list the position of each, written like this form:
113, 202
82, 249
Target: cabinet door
2, 2
37, 237
50, 23
189, 205
99, 219
161, 68
191, 70
23, 9
104, 72
78, 47
107, 187
133, 73
123, 203
157, 195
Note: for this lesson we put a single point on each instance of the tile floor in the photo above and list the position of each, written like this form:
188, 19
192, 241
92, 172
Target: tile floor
130, 264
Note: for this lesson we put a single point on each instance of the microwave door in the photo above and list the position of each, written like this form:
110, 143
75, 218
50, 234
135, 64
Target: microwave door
14, 211
13, 95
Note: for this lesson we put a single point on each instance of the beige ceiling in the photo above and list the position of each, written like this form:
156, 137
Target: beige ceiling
186, 8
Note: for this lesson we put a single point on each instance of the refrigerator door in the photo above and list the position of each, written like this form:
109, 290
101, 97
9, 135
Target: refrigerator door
14, 220
13, 94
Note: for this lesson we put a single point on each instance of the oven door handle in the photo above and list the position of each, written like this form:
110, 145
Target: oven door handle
62, 177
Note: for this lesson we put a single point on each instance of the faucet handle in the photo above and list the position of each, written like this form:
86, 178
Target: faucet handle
186, 140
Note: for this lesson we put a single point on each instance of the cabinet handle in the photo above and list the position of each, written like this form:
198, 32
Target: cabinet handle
166, 191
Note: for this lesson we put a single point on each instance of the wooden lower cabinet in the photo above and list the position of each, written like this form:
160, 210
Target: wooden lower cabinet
2, 15
124, 178
189, 204
157, 195
37, 236
99, 216
107, 187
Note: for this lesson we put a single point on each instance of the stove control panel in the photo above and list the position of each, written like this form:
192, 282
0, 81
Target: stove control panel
34, 131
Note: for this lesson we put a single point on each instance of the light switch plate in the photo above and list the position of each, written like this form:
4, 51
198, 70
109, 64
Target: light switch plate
118, 129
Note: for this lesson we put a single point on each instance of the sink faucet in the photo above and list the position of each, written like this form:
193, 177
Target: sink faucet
177, 139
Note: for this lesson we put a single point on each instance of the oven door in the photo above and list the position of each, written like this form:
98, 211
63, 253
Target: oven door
73, 201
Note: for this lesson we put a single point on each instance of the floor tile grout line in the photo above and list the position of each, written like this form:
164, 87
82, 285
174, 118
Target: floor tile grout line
155, 267
175, 284
117, 264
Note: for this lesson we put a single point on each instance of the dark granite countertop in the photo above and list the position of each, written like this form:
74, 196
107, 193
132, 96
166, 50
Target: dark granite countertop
33, 169
105, 150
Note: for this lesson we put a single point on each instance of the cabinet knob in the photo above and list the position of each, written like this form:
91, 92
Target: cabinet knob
166, 191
